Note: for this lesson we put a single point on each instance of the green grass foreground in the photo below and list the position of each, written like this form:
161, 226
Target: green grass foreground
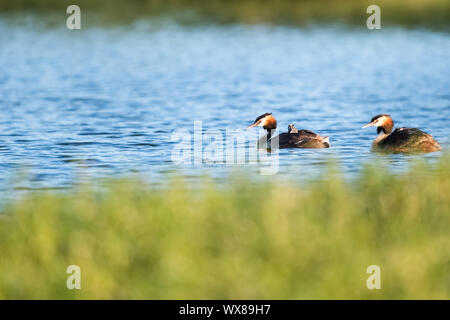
244, 241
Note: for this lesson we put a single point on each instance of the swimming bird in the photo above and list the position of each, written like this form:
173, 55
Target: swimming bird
292, 139
401, 139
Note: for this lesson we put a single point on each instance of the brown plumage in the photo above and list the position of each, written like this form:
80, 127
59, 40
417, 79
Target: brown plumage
400, 139
292, 139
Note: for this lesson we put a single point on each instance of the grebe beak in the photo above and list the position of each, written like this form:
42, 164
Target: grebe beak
368, 125
253, 125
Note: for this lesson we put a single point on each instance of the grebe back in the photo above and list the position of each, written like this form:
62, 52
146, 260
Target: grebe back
294, 138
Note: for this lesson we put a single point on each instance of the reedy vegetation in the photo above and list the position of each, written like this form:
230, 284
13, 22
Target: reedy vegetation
243, 241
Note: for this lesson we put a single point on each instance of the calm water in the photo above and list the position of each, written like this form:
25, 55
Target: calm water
104, 102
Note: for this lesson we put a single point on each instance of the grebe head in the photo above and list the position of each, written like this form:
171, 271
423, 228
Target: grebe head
266, 120
383, 122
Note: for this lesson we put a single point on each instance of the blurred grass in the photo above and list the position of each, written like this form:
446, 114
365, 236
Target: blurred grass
268, 241
412, 13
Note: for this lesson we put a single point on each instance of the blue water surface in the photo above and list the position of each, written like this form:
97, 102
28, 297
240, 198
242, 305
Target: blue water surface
105, 101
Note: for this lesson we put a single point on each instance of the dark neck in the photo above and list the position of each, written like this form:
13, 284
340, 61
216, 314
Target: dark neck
269, 135
385, 129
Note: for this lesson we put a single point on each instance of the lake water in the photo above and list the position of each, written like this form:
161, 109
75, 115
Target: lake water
105, 101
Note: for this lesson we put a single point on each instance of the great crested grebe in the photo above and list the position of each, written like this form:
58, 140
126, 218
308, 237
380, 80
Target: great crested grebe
401, 139
292, 139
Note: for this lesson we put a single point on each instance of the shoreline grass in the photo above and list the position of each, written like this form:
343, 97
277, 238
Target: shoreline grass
410, 13
268, 241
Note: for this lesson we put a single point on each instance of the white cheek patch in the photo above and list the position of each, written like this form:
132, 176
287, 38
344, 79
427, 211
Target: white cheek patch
381, 121
263, 122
